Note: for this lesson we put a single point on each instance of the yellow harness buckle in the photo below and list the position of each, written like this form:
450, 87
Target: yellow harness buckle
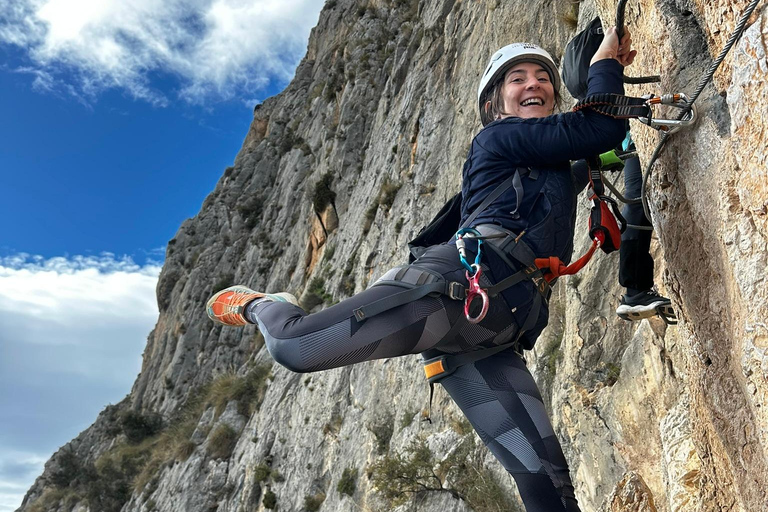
434, 369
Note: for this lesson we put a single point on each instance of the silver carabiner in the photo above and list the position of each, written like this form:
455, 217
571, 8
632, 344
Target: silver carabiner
670, 126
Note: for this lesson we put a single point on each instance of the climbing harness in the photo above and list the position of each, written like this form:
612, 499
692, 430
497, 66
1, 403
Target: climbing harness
509, 248
418, 282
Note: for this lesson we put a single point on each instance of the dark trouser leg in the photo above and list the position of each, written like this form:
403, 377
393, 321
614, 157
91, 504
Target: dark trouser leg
333, 337
635, 261
501, 400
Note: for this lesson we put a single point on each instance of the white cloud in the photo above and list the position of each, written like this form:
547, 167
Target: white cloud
74, 301
215, 48
17, 472
72, 331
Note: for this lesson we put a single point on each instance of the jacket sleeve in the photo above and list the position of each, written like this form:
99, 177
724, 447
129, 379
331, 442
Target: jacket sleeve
562, 137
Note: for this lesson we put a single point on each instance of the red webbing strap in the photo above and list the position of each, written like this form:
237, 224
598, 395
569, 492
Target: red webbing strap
604, 218
557, 268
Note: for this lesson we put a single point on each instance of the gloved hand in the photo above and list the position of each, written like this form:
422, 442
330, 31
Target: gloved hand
610, 161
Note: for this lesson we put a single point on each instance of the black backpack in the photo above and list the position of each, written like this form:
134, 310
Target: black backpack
440, 230
578, 53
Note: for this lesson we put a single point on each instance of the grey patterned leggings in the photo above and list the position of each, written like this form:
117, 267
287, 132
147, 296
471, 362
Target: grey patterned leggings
497, 394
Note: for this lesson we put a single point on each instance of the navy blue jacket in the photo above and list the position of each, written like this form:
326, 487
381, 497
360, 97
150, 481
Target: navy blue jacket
545, 145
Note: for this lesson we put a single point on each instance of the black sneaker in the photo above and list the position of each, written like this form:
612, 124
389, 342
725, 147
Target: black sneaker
645, 305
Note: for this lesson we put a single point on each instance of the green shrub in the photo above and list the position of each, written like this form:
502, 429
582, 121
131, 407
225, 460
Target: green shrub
384, 200
261, 472
426, 190
137, 426
574, 280
407, 418
222, 442
53, 499
348, 482
399, 225
551, 357
264, 472
129, 467
330, 250
612, 373
288, 141
461, 425
185, 450
383, 429
270, 500
68, 468
113, 488
370, 215
388, 193
317, 289
248, 391
313, 503
347, 285
251, 210
400, 477
323, 195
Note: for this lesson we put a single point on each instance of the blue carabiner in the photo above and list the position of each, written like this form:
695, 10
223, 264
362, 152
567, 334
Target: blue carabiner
461, 246
479, 252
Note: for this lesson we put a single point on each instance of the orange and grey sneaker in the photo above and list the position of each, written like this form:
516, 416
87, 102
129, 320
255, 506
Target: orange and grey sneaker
228, 306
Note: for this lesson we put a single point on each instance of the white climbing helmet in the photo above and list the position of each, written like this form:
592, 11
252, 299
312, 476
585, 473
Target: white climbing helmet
507, 57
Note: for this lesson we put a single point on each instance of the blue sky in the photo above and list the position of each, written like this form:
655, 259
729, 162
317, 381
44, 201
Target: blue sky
117, 118
118, 175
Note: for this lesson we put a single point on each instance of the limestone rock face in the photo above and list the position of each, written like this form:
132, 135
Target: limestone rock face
652, 417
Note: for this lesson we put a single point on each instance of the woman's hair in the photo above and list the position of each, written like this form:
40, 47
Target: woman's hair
497, 102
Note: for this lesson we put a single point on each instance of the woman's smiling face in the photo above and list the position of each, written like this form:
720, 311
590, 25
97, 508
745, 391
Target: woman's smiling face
528, 92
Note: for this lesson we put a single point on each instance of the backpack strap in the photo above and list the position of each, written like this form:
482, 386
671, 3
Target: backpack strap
514, 180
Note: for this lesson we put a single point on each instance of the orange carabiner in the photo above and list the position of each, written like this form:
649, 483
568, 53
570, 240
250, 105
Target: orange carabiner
670, 126
474, 291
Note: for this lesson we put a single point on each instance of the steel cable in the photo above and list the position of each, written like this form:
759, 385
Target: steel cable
737, 33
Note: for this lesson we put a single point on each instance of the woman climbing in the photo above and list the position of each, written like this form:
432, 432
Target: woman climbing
517, 203
641, 299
